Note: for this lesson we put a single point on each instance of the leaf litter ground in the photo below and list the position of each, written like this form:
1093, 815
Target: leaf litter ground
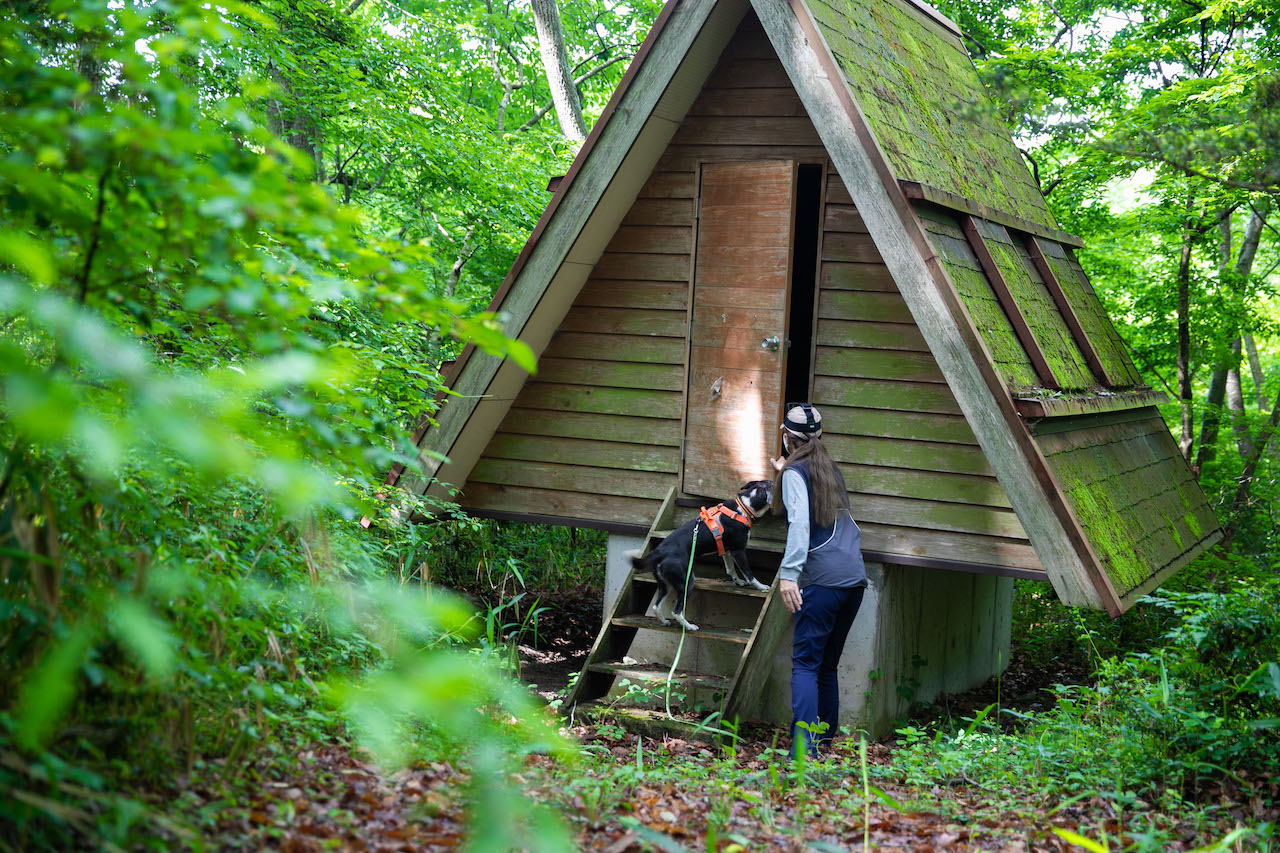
633, 793
690, 796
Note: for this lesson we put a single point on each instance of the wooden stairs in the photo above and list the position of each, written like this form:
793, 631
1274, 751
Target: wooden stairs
726, 663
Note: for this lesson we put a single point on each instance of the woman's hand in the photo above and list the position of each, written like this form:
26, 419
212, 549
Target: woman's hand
779, 463
791, 595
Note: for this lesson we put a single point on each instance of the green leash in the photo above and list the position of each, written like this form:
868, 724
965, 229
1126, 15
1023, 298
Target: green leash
693, 547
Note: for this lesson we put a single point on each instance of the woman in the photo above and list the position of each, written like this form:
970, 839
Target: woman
822, 574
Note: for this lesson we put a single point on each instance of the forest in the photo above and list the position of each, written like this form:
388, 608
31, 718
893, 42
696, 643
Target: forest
240, 241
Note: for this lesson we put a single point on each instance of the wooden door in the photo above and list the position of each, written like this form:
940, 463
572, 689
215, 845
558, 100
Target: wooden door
740, 295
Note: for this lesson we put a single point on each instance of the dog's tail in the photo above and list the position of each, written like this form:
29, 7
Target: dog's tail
639, 562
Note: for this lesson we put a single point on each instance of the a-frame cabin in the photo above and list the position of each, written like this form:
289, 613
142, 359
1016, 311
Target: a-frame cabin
807, 199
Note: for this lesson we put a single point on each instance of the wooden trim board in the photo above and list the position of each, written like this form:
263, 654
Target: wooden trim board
960, 204
1068, 313
1057, 407
1005, 297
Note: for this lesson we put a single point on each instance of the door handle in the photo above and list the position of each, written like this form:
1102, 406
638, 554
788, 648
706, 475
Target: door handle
771, 343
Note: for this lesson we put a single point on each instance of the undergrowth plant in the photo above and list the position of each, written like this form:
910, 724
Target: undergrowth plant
1165, 727
207, 366
495, 558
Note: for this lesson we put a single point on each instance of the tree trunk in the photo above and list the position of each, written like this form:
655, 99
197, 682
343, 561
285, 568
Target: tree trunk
1244, 266
555, 60
297, 130
1235, 410
469, 246
1218, 382
1187, 437
1255, 368
1246, 478
1218, 379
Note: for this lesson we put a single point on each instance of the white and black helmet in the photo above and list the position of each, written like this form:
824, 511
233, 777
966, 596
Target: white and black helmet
802, 420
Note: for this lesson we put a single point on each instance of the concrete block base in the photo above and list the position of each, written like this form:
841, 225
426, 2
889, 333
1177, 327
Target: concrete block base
921, 633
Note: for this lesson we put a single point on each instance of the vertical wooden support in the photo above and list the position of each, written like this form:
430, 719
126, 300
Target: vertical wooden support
757, 659
1059, 295
1010, 305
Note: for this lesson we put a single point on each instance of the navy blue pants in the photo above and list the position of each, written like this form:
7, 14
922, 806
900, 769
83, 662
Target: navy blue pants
822, 626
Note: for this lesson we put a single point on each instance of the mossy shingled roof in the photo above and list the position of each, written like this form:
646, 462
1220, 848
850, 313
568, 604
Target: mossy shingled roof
1045, 320
957, 257
922, 97
1132, 493
1102, 333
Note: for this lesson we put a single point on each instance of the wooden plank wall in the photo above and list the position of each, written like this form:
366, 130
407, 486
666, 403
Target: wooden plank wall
918, 481
596, 433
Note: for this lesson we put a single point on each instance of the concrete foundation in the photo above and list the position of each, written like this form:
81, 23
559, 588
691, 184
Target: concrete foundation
921, 633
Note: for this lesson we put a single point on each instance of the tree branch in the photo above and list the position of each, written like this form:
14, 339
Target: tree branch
97, 235
1189, 171
577, 81
1146, 366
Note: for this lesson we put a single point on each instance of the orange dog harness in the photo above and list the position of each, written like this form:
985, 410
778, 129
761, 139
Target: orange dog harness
711, 518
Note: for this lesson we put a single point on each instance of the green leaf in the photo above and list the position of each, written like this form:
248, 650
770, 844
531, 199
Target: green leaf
26, 255
51, 686
1080, 840
885, 798
146, 635
521, 354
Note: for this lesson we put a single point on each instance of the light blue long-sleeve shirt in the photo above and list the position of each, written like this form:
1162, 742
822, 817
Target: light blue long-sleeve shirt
795, 498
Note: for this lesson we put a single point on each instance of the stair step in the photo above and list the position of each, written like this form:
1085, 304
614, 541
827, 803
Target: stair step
650, 672
705, 632
714, 585
650, 723
776, 546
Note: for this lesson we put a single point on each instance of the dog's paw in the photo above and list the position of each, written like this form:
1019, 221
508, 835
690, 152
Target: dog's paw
755, 583
664, 621
652, 612
688, 626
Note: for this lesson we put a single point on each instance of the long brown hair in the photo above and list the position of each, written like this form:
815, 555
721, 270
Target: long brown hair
827, 495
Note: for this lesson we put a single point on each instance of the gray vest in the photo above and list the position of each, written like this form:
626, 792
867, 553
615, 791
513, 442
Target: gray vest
835, 552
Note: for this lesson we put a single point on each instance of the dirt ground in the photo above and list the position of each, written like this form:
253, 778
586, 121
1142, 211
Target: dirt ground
336, 799
558, 649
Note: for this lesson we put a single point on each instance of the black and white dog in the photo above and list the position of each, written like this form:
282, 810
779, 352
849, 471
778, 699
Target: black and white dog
670, 560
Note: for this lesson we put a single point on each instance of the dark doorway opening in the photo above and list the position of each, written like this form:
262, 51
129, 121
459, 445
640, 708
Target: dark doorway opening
804, 282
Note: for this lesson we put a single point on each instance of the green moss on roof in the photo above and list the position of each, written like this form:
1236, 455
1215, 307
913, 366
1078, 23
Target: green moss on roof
922, 97
1007, 354
1093, 317
1133, 495
1051, 333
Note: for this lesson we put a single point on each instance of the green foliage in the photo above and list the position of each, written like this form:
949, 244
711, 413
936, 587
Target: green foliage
208, 362
1158, 728
491, 558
